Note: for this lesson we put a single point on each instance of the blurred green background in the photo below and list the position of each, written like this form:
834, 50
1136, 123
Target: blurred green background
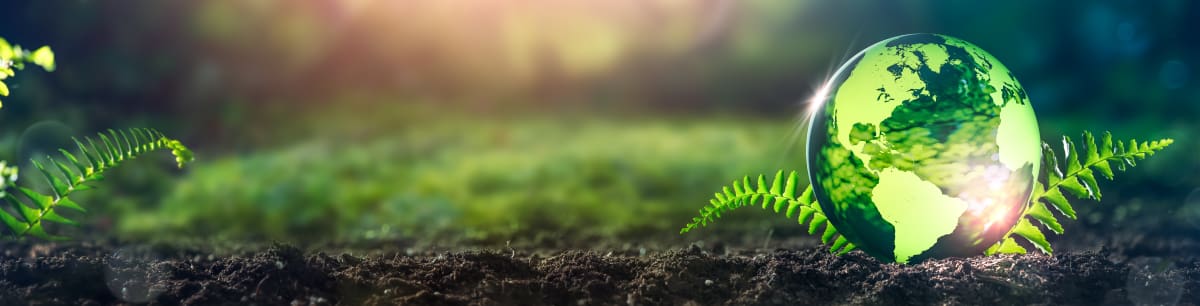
484, 120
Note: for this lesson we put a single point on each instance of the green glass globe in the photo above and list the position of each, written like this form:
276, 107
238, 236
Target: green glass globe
923, 146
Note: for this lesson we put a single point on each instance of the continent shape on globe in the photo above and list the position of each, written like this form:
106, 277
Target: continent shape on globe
925, 147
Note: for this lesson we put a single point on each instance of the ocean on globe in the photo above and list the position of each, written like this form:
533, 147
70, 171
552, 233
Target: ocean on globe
923, 146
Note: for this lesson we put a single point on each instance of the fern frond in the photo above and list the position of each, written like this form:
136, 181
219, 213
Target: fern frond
780, 196
1077, 177
85, 167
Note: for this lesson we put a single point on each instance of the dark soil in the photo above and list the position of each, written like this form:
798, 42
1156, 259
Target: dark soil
89, 274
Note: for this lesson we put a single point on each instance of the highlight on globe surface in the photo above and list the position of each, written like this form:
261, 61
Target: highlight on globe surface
542, 152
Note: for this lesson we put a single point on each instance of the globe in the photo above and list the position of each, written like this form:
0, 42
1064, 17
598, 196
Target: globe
923, 146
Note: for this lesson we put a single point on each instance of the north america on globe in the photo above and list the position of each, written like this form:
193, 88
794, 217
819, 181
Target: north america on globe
923, 146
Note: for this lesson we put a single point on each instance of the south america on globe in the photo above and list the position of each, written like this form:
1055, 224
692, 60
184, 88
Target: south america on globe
923, 146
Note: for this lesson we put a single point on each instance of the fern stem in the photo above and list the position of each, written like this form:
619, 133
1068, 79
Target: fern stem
1075, 174
1096, 158
781, 197
57, 200
89, 165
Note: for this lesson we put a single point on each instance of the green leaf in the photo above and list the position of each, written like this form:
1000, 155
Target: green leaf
828, 234
42, 201
1072, 155
56, 218
767, 200
781, 193
60, 187
124, 139
1103, 167
1072, 185
66, 171
29, 214
806, 197
3, 89
777, 183
1078, 179
110, 150
36, 230
1056, 199
91, 158
841, 244
83, 169
183, 155
64, 181
143, 138
103, 161
10, 221
1039, 212
1105, 153
846, 246
789, 190
1106, 146
1006, 246
68, 203
1033, 235
816, 222
6, 50
43, 57
1050, 165
806, 214
793, 207
1092, 152
1089, 182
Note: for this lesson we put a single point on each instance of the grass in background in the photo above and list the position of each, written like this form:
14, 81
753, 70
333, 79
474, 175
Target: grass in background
350, 176
473, 178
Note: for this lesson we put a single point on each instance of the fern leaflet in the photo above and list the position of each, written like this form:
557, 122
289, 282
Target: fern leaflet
1077, 176
781, 197
74, 172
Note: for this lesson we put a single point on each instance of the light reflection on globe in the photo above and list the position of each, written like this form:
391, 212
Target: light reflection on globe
925, 146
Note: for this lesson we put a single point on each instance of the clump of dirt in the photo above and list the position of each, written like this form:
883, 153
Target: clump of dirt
90, 274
